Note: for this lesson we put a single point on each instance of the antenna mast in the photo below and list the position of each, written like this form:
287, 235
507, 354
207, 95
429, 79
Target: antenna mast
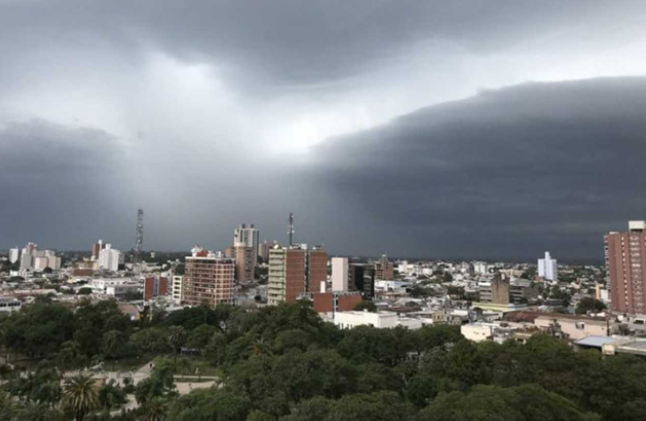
139, 237
290, 229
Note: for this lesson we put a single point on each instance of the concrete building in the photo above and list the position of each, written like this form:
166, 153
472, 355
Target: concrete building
249, 236
384, 269
177, 288
208, 279
626, 268
547, 268
9, 304
294, 271
245, 258
14, 255
573, 327
340, 274
155, 286
109, 258
331, 302
381, 320
96, 249
362, 278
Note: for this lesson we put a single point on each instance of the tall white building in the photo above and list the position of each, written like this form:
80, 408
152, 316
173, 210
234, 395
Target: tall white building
109, 258
247, 235
14, 255
547, 268
340, 272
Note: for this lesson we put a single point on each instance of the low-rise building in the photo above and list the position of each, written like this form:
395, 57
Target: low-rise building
385, 319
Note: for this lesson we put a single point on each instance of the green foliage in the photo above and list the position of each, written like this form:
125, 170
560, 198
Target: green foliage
366, 305
589, 304
210, 404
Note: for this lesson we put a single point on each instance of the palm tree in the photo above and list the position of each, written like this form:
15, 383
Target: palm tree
111, 343
80, 395
176, 339
155, 410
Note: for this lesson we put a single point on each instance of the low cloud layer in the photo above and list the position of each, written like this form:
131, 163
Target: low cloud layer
386, 126
508, 172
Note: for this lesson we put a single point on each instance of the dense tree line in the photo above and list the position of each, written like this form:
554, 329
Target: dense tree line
284, 363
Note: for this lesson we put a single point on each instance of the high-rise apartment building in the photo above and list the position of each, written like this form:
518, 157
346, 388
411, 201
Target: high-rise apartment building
208, 279
384, 269
547, 268
340, 274
14, 255
294, 271
109, 258
316, 268
626, 268
176, 293
96, 249
245, 258
249, 236
155, 286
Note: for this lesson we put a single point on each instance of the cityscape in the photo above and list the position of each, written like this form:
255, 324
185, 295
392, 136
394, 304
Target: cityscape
323, 210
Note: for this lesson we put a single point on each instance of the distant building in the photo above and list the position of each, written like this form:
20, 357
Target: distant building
294, 271
155, 286
245, 258
96, 249
340, 273
331, 302
350, 319
249, 236
208, 279
9, 304
384, 269
362, 278
177, 288
547, 268
625, 257
14, 255
265, 247
109, 258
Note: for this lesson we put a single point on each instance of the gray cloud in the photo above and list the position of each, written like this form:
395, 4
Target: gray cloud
204, 113
508, 172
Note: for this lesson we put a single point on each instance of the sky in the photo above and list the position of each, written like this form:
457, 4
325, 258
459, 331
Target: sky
428, 129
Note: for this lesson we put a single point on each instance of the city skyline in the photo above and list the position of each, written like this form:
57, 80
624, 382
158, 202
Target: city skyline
485, 129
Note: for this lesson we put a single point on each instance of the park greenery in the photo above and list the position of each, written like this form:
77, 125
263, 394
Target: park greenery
284, 363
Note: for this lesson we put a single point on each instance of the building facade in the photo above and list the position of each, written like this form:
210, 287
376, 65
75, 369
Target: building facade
626, 268
294, 271
109, 258
384, 269
245, 258
155, 286
547, 268
340, 274
249, 236
14, 255
208, 279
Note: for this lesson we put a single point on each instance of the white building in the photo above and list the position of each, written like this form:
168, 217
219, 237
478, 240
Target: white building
176, 292
249, 236
8, 304
547, 268
340, 272
109, 258
386, 319
114, 287
14, 255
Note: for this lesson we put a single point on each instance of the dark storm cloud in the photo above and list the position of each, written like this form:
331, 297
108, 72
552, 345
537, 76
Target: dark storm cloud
508, 172
59, 182
283, 43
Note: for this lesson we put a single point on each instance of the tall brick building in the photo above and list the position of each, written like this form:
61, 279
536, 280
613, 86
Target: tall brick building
294, 271
625, 266
208, 279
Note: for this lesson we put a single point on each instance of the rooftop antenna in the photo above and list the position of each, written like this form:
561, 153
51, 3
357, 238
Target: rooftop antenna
139, 237
290, 229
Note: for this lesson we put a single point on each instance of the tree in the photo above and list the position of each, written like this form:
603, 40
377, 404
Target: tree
80, 395
366, 305
589, 304
176, 338
210, 404
155, 410
111, 343
110, 395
